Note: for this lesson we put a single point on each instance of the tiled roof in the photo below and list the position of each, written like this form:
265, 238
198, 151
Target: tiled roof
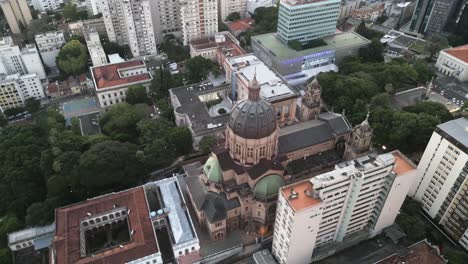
241, 24
107, 76
67, 229
421, 252
460, 52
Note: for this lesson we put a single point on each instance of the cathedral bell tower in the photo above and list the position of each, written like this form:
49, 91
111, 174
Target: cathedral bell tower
311, 102
359, 141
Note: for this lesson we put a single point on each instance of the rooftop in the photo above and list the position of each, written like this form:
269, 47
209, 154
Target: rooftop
402, 164
420, 252
263, 257
67, 242
460, 52
282, 51
457, 129
80, 107
113, 75
224, 41
241, 24
302, 201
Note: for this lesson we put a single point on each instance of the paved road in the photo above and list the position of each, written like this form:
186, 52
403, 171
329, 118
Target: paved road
451, 87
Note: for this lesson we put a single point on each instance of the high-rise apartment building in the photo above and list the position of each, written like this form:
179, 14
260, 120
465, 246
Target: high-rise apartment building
442, 182
16, 88
16, 13
198, 19
95, 49
129, 22
165, 15
49, 45
430, 16
23, 61
327, 213
44, 5
306, 20
228, 7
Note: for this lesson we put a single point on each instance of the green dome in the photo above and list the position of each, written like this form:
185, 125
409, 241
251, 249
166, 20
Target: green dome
213, 170
268, 186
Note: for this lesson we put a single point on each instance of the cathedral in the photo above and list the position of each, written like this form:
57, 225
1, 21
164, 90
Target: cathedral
238, 185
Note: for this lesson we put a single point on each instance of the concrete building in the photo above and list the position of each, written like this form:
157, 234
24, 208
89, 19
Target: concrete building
431, 16
254, 4
31, 245
419, 252
347, 6
95, 49
442, 182
130, 23
217, 48
198, 19
44, 5
165, 17
76, 28
454, 62
23, 61
297, 67
16, 88
17, 14
94, 7
113, 80
305, 20
49, 45
317, 217
228, 7
369, 13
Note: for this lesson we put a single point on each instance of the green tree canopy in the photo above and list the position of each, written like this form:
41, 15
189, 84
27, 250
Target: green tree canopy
3, 120
206, 143
119, 123
198, 68
73, 58
32, 104
136, 95
234, 16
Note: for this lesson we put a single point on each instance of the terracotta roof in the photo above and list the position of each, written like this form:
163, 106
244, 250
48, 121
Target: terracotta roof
460, 52
302, 201
67, 229
402, 164
210, 43
241, 24
418, 253
52, 88
107, 76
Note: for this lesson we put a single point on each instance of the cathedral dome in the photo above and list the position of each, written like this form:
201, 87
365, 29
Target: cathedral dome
212, 170
268, 186
253, 118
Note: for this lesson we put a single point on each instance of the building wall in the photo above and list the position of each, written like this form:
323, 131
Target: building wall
30, 86
347, 7
16, 13
430, 16
109, 97
44, 5
13, 60
10, 95
165, 17
228, 7
452, 66
32, 61
198, 19
49, 45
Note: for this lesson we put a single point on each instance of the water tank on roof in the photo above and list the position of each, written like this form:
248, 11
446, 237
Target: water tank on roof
153, 214
220, 38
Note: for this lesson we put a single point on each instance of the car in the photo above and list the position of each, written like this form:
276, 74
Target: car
454, 100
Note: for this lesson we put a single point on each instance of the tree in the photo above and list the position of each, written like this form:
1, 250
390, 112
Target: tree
112, 47
3, 120
435, 45
266, 19
381, 19
32, 104
13, 111
70, 12
5, 256
174, 49
119, 123
234, 16
206, 143
8, 224
198, 68
425, 74
412, 226
136, 94
37, 26
455, 256
73, 58
431, 108
372, 53
181, 139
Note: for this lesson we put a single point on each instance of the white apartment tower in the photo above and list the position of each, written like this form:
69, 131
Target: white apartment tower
23, 61
198, 18
165, 15
95, 49
327, 213
228, 7
44, 5
16, 13
16, 88
442, 182
49, 45
129, 22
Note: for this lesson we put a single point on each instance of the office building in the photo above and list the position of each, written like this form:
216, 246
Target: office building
93, 7
217, 48
17, 14
442, 182
431, 16
45, 5
454, 62
228, 7
198, 19
130, 23
49, 45
165, 16
16, 88
23, 61
95, 49
332, 211
306, 20
113, 80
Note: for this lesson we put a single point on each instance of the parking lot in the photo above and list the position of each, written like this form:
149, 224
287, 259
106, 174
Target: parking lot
451, 89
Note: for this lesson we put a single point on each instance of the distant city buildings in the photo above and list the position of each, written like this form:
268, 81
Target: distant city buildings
16, 88
165, 17
130, 23
348, 6
17, 14
198, 19
431, 16
442, 181
113, 80
234, 6
254, 4
369, 13
23, 61
45, 5
49, 45
454, 62
304, 20
329, 212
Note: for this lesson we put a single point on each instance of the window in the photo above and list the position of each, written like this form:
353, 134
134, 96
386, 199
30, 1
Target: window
250, 152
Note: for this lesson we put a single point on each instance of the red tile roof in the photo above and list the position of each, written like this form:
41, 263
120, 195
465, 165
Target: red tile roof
52, 88
107, 76
418, 253
241, 24
460, 52
67, 229
226, 46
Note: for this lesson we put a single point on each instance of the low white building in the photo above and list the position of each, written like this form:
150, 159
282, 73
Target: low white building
44, 5
49, 45
16, 88
354, 202
95, 49
112, 81
454, 62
